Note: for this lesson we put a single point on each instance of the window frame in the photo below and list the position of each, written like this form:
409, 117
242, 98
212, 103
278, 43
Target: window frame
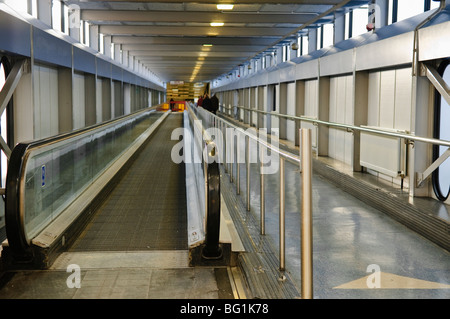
443, 66
9, 116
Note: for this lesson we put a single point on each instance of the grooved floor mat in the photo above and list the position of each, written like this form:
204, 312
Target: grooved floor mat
147, 209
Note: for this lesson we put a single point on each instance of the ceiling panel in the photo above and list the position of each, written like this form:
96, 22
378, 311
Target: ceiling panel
168, 36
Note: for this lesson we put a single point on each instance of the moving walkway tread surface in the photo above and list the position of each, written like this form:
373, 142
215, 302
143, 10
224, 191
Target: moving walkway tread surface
147, 209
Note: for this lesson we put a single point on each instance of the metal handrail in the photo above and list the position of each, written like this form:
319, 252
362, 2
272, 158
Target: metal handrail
349, 127
289, 156
305, 164
212, 248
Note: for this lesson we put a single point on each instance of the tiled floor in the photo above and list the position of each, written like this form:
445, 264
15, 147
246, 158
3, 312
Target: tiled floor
113, 276
350, 240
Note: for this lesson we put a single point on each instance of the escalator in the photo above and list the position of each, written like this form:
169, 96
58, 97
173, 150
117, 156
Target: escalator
146, 210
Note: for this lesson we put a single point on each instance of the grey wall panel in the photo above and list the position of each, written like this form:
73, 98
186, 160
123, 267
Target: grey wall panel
307, 70
273, 77
287, 74
83, 61
390, 52
50, 49
103, 68
14, 35
339, 63
434, 42
117, 73
127, 76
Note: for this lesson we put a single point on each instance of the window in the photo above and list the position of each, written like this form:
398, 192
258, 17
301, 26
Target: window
2, 76
18, 5
101, 43
434, 4
359, 21
441, 176
348, 25
328, 35
304, 46
33, 9
4, 69
409, 8
65, 19
356, 21
84, 33
56, 15
319, 38
404, 9
87, 39
286, 53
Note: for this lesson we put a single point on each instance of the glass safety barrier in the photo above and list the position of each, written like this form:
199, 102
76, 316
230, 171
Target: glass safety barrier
45, 176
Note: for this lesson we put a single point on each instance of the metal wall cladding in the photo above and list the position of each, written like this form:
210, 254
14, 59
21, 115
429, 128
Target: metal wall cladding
50, 49
14, 35
83, 61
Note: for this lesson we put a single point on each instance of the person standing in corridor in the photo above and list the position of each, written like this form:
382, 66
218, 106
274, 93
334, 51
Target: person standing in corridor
207, 103
214, 104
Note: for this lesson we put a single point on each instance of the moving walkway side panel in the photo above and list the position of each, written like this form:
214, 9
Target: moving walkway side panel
107, 150
212, 237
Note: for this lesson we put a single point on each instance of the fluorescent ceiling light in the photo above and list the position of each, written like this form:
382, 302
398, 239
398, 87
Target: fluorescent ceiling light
207, 45
225, 7
217, 24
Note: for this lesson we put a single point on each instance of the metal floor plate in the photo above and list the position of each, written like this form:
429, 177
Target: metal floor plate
170, 259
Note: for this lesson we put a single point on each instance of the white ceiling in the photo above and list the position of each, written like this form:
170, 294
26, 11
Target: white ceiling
168, 36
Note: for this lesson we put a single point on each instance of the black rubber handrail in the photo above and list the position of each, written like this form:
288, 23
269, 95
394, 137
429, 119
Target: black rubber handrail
211, 248
18, 243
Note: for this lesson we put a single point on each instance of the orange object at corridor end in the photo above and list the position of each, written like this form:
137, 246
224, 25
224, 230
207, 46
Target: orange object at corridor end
177, 106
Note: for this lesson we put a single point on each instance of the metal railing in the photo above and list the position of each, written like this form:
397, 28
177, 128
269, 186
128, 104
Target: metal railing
409, 139
350, 128
232, 156
206, 153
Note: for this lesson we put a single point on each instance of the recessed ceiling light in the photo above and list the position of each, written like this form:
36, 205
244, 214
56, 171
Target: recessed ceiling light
217, 24
207, 45
225, 7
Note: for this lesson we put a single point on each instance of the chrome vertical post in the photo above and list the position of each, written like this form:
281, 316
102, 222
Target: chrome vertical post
247, 155
238, 172
232, 161
282, 216
225, 153
262, 195
306, 219
221, 125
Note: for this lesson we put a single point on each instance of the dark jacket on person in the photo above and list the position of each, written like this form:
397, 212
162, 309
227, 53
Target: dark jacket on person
207, 105
214, 104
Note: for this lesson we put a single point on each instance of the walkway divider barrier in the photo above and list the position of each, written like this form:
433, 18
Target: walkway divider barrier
202, 157
271, 155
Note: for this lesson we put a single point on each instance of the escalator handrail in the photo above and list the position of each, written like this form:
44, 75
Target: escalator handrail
18, 242
212, 248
